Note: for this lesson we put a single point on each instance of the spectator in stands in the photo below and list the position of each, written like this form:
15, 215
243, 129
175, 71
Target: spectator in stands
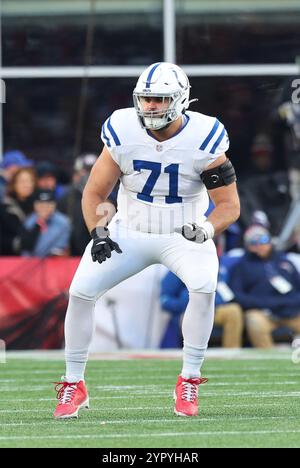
70, 204
82, 167
12, 161
267, 285
174, 298
47, 231
15, 207
262, 155
47, 178
268, 193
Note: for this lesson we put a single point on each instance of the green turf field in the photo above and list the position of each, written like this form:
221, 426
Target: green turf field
252, 402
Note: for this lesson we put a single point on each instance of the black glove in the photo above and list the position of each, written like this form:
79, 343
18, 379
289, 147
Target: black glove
103, 245
193, 232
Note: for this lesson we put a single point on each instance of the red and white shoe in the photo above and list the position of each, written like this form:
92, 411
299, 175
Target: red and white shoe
72, 397
186, 396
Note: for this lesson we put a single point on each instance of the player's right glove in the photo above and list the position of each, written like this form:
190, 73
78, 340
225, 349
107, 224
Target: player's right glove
195, 233
102, 245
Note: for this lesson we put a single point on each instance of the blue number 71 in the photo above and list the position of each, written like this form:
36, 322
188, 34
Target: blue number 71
155, 171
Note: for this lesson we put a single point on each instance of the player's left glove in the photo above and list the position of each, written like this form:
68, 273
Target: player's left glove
103, 245
195, 233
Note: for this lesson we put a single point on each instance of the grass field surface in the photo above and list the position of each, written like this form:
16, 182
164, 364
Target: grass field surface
252, 399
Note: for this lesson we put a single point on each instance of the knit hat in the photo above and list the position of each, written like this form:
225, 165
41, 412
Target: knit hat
15, 158
257, 235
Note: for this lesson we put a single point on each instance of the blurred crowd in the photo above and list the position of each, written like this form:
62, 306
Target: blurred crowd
257, 298
40, 217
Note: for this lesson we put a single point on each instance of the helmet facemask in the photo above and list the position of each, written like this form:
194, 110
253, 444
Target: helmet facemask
157, 119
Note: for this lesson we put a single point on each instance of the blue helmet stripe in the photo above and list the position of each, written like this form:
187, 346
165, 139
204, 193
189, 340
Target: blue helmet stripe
210, 136
105, 136
214, 148
113, 133
148, 83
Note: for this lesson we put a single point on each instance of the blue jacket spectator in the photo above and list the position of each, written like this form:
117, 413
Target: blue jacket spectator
266, 279
46, 232
174, 299
174, 295
224, 293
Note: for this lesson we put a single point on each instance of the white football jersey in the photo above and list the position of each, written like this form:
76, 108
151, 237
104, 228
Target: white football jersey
160, 185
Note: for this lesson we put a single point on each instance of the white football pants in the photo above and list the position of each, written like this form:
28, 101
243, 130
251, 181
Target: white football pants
195, 264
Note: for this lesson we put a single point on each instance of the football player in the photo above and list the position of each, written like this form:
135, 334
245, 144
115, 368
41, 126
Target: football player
168, 160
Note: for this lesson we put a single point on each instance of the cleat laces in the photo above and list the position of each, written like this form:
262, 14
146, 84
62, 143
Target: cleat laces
190, 389
65, 392
189, 392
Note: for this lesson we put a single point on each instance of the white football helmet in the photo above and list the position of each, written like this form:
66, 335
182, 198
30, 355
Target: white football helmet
167, 81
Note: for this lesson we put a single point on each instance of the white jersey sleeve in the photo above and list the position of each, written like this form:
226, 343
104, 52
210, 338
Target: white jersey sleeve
111, 137
216, 142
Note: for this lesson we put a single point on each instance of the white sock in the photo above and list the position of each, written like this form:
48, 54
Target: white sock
197, 326
75, 365
79, 327
193, 359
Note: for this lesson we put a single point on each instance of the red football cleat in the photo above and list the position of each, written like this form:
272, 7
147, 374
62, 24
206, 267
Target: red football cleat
186, 396
72, 397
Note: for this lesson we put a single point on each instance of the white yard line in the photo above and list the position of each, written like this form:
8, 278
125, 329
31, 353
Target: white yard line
254, 395
53, 400
148, 421
137, 408
253, 384
101, 370
234, 382
134, 435
214, 386
10, 376
205, 394
160, 388
158, 354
